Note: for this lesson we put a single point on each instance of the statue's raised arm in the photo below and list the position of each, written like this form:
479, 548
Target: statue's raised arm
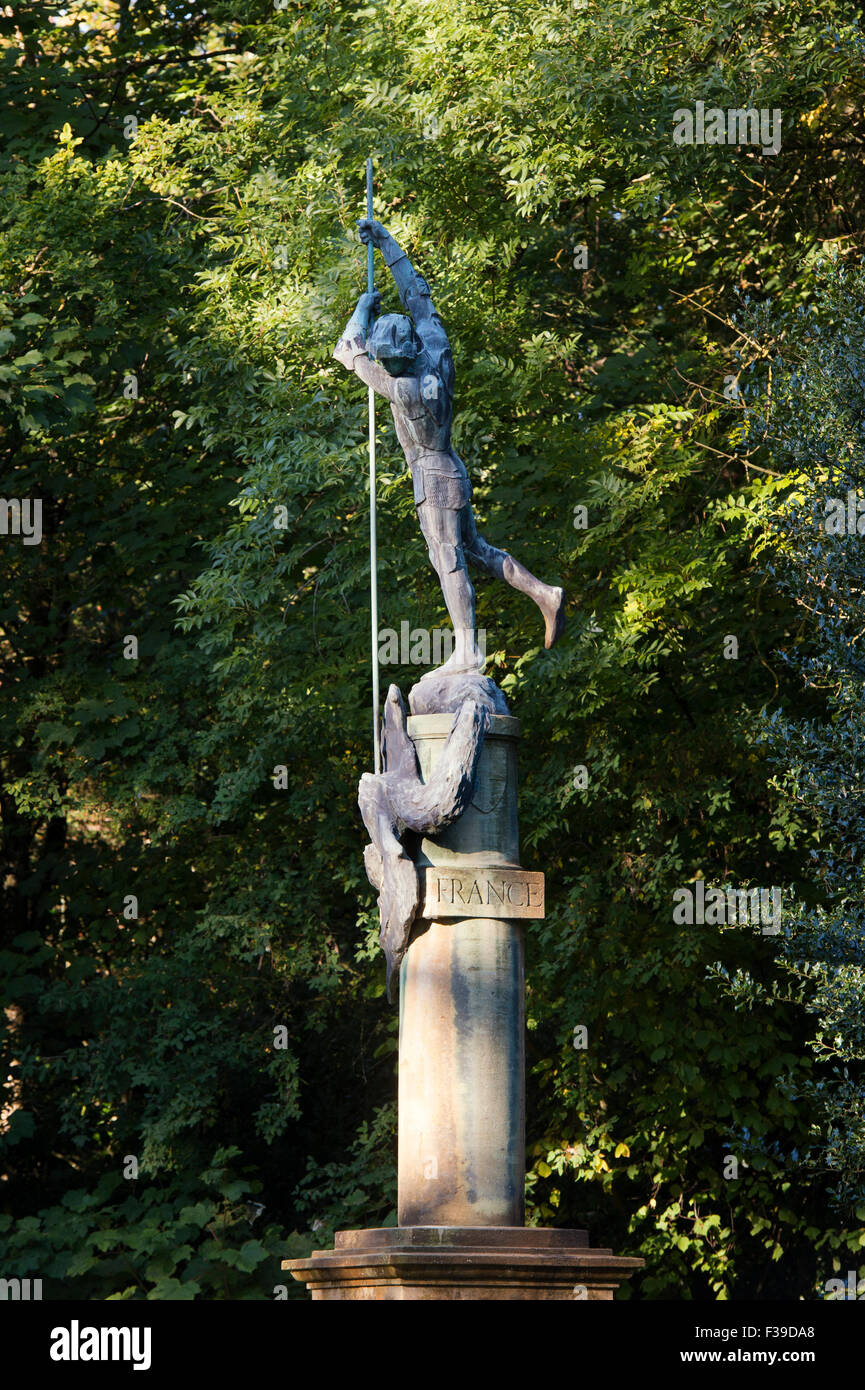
414, 292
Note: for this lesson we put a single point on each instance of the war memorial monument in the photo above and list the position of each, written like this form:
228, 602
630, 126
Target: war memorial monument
441, 814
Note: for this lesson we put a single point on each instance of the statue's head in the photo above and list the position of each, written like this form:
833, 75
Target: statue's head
393, 342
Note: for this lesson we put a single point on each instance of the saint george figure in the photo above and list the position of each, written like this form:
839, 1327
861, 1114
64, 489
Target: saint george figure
411, 364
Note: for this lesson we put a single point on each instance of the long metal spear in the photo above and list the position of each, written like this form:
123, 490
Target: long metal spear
373, 548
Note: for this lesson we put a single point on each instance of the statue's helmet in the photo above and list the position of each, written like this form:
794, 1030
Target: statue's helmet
394, 343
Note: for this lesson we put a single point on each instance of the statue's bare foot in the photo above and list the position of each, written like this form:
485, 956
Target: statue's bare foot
553, 609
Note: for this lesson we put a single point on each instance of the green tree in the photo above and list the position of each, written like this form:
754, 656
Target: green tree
812, 428
220, 517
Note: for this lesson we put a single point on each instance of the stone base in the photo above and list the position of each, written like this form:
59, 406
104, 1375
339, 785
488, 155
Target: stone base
462, 1262
442, 693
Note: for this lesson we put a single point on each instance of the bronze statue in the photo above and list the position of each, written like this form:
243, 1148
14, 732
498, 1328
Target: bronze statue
411, 364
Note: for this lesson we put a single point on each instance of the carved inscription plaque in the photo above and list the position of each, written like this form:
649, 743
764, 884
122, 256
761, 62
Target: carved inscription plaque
481, 892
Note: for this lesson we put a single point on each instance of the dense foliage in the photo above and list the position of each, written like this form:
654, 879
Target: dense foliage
191, 985
812, 419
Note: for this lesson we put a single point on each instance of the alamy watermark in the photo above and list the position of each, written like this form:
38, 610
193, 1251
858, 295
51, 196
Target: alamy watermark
77, 1343
20, 1290
845, 1291
420, 646
733, 125
729, 907
22, 517
844, 517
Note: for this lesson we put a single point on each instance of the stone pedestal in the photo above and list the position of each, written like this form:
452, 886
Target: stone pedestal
457, 1262
462, 1020
462, 1074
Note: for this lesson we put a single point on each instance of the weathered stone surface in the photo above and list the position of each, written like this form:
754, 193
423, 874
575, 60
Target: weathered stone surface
438, 800
532, 1239
436, 1263
461, 1153
440, 693
481, 892
487, 832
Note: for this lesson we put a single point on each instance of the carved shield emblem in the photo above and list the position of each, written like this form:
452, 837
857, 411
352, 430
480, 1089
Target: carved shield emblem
492, 781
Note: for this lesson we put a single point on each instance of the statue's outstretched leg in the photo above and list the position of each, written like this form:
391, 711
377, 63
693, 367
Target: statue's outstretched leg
549, 597
442, 532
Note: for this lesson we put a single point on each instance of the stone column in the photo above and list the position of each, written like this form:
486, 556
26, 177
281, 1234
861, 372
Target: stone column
462, 1076
462, 1012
